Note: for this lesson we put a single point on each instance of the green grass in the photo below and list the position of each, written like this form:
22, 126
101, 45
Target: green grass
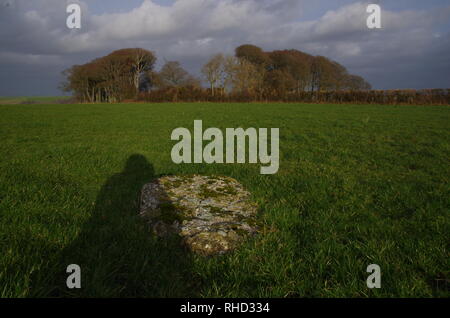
357, 185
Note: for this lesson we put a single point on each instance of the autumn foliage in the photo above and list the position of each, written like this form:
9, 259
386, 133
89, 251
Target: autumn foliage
112, 78
250, 75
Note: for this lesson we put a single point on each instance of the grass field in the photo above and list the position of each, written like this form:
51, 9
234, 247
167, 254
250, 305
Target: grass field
357, 185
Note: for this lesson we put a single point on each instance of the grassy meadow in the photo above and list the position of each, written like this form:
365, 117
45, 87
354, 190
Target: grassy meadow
357, 185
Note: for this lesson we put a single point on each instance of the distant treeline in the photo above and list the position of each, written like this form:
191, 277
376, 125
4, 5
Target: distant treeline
384, 97
250, 75
126, 73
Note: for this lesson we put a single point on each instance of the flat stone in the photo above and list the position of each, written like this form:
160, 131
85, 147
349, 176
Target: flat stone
211, 214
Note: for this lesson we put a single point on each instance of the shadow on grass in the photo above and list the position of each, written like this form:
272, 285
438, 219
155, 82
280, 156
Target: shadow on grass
116, 252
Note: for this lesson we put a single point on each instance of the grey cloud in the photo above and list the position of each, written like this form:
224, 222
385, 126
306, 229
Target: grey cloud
33, 34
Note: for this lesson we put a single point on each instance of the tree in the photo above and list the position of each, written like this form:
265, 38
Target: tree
214, 72
355, 82
252, 54
280, 81
296, 66
300, 69
173, 75
139, 61
117, 81
111, 78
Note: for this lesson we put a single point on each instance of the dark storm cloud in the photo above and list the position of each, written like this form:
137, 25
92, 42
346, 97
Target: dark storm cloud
412, 49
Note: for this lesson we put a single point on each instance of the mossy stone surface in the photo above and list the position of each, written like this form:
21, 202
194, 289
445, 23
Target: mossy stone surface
211, 214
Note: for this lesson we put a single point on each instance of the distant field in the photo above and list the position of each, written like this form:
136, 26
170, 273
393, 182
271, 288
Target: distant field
32, 100
357, 185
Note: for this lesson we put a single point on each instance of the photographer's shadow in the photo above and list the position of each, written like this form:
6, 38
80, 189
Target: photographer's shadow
118, 255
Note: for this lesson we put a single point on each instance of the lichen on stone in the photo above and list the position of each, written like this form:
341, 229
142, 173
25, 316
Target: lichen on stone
211, 214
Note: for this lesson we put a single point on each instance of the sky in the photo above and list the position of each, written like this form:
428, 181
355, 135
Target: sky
411, 50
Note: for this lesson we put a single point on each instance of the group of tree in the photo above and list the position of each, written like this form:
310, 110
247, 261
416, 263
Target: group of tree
122, 75
128, 73
253, 71
111, 78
